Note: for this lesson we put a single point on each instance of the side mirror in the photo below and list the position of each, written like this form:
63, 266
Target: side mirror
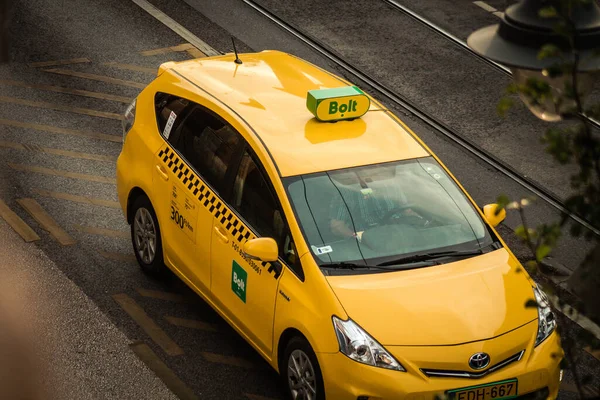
492, 218
262, 249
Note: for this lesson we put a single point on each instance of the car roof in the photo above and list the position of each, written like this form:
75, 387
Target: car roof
268, 90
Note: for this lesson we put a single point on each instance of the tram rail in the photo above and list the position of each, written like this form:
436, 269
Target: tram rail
411, 108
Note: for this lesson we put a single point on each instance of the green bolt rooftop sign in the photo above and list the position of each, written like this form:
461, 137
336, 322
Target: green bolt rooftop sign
337, 104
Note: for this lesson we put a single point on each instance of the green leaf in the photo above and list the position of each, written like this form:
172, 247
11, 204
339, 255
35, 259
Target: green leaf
520, 232
559, 144
564, 364
549, 51
542, 251
531, 266
554, 71
548, 12
531, 303
502, 201
563, 29
512, 88
576, 230
549, 233
504, 105
593, 110
586, 380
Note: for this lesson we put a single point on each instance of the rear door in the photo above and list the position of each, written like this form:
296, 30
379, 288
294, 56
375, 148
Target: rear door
183, 182
170, 112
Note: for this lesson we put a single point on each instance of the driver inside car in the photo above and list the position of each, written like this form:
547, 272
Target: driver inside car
364, 204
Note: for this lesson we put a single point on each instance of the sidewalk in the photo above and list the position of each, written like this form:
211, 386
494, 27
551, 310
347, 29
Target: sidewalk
54, 342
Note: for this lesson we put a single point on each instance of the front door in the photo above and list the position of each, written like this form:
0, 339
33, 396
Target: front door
247, 288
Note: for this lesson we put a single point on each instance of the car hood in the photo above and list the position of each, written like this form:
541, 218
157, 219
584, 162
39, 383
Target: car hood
469, 300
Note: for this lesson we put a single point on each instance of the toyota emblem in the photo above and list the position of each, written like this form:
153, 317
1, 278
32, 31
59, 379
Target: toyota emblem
479, 360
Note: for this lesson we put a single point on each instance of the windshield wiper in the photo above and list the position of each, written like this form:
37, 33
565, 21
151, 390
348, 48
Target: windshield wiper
383, 266
431, 256
346, 265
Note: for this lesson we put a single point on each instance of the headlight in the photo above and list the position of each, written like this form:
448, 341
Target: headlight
359, 346
128, 119
546, 320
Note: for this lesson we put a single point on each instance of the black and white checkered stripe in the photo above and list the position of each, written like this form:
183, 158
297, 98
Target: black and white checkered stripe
240, 232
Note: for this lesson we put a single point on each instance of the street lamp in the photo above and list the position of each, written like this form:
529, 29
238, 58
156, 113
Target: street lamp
516, 42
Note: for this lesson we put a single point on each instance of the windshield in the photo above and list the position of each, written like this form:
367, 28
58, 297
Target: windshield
377, 213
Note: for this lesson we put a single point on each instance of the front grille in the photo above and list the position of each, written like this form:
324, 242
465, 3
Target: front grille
541, 394
441, 373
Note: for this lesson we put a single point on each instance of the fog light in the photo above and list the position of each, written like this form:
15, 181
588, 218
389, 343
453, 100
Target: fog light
560, 375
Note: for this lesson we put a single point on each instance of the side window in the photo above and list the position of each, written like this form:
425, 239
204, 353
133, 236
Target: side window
254, 200
208, 144
169, 113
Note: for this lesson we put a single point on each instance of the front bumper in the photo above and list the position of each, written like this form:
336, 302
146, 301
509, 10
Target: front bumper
344, 378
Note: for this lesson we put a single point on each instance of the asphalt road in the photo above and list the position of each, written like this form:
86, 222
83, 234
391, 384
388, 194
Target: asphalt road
60, 345
58, 146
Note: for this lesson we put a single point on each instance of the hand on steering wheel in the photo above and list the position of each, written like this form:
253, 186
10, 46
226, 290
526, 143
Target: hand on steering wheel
388, 217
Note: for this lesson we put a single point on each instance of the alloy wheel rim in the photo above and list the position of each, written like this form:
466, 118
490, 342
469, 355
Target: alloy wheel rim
144, 233
301, 376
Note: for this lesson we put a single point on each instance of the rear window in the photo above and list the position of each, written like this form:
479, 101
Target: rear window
169, 110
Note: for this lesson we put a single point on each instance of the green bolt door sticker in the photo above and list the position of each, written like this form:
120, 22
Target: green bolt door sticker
239, 280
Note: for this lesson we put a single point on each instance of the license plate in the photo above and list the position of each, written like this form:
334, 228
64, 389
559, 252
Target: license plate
490, 391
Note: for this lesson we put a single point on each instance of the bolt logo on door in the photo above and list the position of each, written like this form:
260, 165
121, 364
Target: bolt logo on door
239, 281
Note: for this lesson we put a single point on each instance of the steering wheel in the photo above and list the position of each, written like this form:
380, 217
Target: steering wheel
387, 218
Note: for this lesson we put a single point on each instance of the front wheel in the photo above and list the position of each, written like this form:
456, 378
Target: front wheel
145, 236
301, 374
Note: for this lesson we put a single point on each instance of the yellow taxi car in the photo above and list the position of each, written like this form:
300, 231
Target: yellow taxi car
328, 236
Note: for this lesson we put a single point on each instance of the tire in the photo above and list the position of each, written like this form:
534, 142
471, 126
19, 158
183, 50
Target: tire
300, 349
145, 237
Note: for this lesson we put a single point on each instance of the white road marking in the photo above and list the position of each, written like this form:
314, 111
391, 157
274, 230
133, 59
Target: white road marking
485, 6
488, 8
177, 28
59, 62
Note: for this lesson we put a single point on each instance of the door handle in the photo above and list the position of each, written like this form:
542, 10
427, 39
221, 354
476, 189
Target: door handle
163, 174
222, 236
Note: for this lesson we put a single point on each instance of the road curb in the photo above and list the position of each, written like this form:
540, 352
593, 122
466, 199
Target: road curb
569, 306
